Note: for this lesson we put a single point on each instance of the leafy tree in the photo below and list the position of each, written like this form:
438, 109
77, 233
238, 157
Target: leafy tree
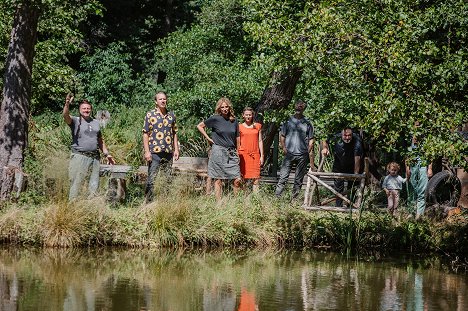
16, 101
377, 65
59, 37
106, 75
209, 60
14, 111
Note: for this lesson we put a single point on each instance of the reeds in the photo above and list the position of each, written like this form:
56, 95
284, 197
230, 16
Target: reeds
191, 220
64, 225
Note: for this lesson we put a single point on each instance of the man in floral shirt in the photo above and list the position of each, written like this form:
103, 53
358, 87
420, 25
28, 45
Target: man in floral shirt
159, 140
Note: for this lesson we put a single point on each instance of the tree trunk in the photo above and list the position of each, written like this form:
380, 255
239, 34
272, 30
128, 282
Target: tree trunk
275, 97
281, 91
14, 111
169, 16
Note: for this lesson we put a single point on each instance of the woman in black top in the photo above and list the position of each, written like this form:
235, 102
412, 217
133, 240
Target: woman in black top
224, 159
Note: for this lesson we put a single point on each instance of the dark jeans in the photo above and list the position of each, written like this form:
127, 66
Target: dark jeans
339, 186
301, 169
158, 161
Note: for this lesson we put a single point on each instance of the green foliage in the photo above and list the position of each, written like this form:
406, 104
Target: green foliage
181, 219
377, 65
210, 60
59, 36
109, 79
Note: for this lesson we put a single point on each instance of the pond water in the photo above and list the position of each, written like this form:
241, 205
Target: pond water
50, 279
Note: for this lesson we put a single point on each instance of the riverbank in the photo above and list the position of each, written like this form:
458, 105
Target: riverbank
178, 218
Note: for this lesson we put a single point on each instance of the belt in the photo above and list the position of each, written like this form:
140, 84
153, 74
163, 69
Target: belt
89, 154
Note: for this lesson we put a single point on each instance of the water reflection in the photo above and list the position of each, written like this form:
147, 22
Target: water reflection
50, 279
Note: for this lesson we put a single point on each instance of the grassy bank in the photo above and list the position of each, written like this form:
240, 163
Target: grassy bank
182, 217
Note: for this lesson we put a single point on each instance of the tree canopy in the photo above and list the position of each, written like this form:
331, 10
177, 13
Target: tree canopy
210, 60
377, 65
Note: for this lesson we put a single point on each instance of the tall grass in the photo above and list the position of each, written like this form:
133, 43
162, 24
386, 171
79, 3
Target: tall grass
181, 217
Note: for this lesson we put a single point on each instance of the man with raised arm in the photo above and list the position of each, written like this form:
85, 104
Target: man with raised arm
86, 143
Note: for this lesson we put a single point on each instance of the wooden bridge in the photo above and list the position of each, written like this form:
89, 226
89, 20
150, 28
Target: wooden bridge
324, 179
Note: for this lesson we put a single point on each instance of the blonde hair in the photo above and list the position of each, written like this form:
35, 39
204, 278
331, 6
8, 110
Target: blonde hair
225, 100
393, 165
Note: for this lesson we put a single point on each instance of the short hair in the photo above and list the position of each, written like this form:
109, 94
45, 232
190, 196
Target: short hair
160, 92
248, 109
85, 102
301, 102
393, 165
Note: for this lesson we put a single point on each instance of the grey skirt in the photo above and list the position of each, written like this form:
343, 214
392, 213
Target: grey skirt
223, 163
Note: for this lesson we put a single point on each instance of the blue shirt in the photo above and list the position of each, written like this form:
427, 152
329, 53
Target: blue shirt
297, 133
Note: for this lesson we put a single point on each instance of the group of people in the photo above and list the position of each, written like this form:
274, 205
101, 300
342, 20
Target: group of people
236, 150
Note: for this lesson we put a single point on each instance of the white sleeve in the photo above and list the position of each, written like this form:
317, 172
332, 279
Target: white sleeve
384, 184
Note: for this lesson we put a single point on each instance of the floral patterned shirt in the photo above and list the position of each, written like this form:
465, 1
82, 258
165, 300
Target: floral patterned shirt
161, 130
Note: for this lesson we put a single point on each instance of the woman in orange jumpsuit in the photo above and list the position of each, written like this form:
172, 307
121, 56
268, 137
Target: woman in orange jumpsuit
250, 147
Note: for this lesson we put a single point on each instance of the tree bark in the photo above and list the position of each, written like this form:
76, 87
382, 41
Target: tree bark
169, 16
14, 111
281, 90
277, 96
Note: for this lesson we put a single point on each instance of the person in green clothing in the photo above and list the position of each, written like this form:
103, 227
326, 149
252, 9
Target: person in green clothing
418, 172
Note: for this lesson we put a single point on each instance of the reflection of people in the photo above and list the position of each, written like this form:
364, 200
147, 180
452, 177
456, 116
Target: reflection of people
247, 301
159, 140
347, 153
86, 143
418, 173
392, 185
223, 162
297, 142
390, 299
250, 148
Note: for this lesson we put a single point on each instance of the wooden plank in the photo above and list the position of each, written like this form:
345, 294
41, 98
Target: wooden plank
338, 175
192, 165
309, 195
195, 164
269, 180
333, 191
325, 202
330, 209
120, 171
360, 194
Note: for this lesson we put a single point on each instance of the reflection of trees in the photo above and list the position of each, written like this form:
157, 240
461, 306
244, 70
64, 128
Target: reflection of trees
8, 292
170, 280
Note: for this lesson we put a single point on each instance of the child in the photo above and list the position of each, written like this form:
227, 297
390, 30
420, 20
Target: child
392, 186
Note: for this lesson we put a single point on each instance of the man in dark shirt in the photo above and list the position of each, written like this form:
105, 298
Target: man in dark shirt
347, 153
297, 142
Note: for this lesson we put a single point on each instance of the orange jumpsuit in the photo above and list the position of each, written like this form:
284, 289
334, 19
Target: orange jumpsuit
249, 151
